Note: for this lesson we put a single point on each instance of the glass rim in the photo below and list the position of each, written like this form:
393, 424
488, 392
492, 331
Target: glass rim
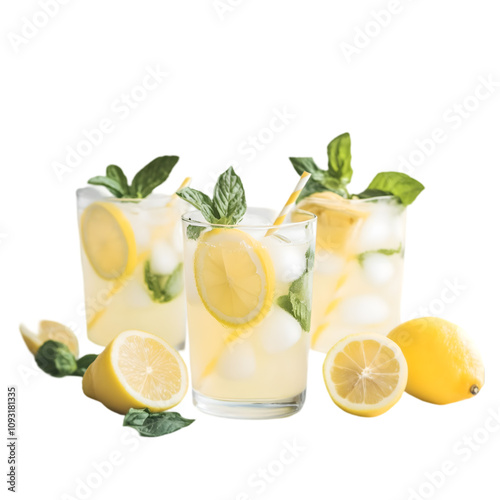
110, 197
356, 200
193, 222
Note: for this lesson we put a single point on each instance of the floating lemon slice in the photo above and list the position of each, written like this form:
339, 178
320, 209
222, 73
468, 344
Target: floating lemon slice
337, 219
234, 277
137, 370
365, 374
49, 330
108, 240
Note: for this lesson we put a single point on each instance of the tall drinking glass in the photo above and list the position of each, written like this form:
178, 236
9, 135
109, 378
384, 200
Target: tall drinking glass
248, 290
132, 265
358, 272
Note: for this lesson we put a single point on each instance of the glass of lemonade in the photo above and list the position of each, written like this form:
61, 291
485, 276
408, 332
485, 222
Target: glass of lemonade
359, 266
132, 265
248, 291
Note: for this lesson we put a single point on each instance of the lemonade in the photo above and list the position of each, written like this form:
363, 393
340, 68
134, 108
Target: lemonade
131, 247
245, 348
359, 266
248, 291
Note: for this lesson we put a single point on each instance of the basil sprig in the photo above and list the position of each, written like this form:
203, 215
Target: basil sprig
147, 179
339, 174
150, 424
57, 360
228, 205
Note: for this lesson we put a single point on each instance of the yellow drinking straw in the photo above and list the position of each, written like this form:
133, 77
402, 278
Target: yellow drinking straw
173, 200
288, 205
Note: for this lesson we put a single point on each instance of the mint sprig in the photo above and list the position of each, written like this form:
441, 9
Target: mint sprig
298, 300
144, 182
163, 287
57, 360
228, 205
339, 174
149, 424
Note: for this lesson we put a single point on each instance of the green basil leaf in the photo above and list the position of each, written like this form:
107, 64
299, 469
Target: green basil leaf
163, 287
193, 232
229, 198
116, 173
150, 424
302, 165
111, 184
200, 201
339, 158
152, 175
83, 363
55, 359
397, 184
371, 193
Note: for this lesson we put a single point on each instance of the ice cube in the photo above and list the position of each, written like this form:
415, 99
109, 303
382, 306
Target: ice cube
251, 223
135, 295
378, 268
364, 309
237, 361
383, 229
328, 262
279, 331
88, 195
289, 260
164, 259
154, 200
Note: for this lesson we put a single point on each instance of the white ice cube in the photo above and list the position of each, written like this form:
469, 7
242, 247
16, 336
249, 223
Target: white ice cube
237, 362
364, 309
328, 262
378, 268
289, 260
163, 258
89, 195
279, 331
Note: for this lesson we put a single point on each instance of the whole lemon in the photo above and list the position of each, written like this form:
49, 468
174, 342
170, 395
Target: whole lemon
443, 364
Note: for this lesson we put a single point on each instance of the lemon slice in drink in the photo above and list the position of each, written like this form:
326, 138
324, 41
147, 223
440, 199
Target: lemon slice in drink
234, 277
137, 370
337, 219
49, 330
108, 240
365, 374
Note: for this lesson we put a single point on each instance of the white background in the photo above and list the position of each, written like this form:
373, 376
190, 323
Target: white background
229, 73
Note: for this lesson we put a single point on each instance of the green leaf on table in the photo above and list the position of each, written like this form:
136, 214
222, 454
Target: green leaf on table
149, 424
83, 363
163, 287
402, 186
152, 175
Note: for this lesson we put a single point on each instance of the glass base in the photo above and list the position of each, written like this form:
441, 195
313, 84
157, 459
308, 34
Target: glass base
252, 410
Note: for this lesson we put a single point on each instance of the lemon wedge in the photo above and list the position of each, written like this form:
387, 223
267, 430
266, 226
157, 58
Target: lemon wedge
108, 240
49, 330
365, 374
137, 370
338, 219
234, 277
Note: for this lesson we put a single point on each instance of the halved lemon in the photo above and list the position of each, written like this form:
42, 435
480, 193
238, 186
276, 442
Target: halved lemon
49, 330
137, 370
365, 374
234, 276
108, 240
338, 219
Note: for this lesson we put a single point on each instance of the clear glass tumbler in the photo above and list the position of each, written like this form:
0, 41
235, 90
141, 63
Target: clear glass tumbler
248, 291
358, 272
132, 265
